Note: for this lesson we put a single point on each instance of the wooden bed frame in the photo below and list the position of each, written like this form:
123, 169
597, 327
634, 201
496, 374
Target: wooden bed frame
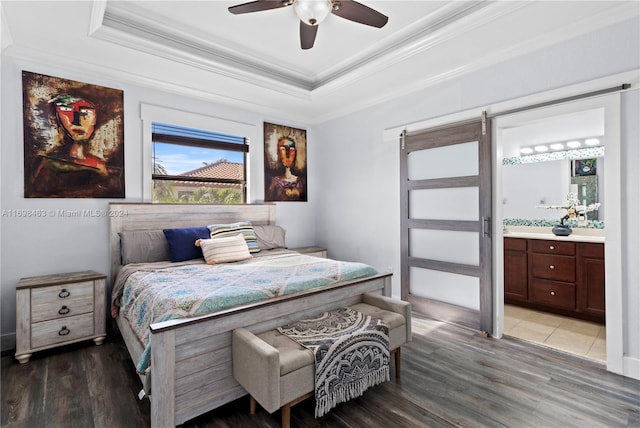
191, 366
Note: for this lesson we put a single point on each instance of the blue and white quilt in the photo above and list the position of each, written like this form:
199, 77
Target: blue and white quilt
154, 292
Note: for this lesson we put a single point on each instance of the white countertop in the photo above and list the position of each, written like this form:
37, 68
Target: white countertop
531, 232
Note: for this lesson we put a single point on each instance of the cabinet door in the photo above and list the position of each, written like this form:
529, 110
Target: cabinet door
591, 280
515, 275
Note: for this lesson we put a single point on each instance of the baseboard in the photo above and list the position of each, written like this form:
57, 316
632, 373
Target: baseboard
8, 344
631, 367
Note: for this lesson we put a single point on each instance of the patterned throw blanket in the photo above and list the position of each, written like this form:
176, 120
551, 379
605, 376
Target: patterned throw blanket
351, 352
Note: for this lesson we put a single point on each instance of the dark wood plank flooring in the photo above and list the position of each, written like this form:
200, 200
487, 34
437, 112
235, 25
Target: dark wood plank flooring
451, 377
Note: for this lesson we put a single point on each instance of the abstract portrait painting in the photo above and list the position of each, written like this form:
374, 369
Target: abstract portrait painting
285, 163
73, 139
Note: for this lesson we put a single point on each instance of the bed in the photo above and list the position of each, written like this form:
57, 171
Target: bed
190, 371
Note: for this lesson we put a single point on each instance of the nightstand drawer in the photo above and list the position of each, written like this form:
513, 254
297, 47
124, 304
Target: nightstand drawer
52, 332
557, 268
552, 293
59, 301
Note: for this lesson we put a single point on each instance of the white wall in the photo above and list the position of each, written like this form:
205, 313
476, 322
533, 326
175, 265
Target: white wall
358, 210
353, 206
54, 244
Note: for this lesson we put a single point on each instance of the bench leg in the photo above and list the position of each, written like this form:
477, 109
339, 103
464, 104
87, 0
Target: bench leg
398, 362
286, 409
286, 415
252, 405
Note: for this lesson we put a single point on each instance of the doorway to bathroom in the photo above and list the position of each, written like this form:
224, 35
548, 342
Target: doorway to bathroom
545, 157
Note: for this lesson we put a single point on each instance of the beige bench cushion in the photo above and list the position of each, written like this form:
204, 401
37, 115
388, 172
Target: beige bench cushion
292, 355
395, 321
392, 319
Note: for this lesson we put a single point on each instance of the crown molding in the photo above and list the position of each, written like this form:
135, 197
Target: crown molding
320, 105
144, 33
621, 13
148, 35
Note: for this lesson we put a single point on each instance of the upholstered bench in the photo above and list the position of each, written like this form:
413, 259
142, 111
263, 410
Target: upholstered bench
278, 373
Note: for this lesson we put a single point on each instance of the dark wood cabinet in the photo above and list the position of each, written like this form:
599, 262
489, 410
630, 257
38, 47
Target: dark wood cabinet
590, 296
555, 276
515, 269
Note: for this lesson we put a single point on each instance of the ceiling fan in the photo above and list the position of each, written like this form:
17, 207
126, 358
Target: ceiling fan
312, 12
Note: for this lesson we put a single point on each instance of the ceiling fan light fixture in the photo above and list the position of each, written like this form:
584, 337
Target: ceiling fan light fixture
312, 12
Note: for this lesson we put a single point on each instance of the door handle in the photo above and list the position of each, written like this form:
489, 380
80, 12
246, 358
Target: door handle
486, 226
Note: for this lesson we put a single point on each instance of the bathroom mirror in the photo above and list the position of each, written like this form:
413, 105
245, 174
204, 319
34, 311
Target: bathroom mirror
525, 186
537, 173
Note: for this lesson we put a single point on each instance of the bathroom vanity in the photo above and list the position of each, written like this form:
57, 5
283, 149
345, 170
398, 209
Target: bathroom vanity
559, 274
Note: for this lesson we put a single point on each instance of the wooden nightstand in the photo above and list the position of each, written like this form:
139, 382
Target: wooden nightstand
55, 310
312, 251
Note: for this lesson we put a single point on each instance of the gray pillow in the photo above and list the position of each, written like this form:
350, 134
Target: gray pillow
141, 246
270, 236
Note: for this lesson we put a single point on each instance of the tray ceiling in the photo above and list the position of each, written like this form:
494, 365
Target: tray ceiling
254, 60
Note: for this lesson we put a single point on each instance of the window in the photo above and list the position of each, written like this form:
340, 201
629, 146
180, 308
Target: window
176, 143
197, 166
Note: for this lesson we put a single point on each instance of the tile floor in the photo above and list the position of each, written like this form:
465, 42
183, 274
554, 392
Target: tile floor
574, 336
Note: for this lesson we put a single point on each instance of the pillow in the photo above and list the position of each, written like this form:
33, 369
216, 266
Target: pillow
141, 246
182, 242
270, 236
224, 250
232, 229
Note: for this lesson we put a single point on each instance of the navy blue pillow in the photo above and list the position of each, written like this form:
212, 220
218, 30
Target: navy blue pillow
182, 242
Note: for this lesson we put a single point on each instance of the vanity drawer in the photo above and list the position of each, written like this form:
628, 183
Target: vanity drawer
594, 251
515, 244
552, 247
558, 268
552, 293
59, 301
61, 330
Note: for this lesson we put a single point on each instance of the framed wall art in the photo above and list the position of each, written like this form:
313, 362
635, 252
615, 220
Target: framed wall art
285, 163
584, 167
73, 139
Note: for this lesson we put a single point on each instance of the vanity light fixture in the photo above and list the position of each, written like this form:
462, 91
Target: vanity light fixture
553, 147
574, 144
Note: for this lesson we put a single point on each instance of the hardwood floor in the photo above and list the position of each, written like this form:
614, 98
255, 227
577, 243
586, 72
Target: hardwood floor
451, 377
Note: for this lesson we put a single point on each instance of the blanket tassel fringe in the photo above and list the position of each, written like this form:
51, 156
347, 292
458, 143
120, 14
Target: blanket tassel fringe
353, 390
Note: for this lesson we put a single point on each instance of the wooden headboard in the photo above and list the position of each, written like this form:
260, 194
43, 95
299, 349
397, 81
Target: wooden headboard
147, 216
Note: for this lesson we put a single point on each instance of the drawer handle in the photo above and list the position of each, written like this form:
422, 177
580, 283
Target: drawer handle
64, 293
64, 331
553, 293
552, 267
551, 247
64, 310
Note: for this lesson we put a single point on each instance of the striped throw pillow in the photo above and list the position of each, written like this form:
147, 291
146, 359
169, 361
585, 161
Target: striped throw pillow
224, 250
244, 227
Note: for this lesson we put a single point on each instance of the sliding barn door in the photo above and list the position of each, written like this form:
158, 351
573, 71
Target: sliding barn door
446, 221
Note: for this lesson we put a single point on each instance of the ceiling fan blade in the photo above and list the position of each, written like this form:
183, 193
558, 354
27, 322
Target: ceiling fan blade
357, 12
307, 35
257, 6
